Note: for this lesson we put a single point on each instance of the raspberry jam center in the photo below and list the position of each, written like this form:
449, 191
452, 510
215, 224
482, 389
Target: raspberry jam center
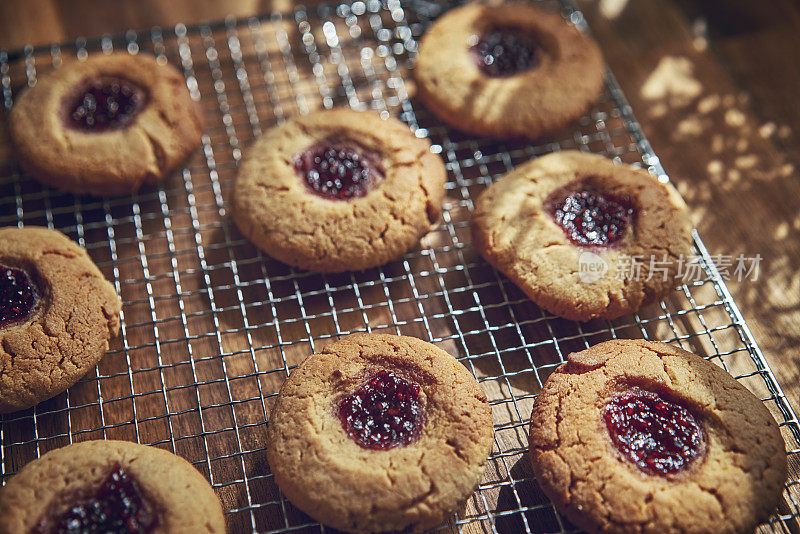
117, 506
338, 170
384, 412
505, 52
590, 218
18, 295
659, 436
106, 104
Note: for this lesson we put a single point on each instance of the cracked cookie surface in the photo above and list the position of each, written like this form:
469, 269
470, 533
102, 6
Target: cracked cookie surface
329, 475
114, 158
543, 74
731, 487
182, 499
68, 329
514, 229
278, 209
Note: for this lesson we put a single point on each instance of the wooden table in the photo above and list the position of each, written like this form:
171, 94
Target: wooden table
715, 88
714, 85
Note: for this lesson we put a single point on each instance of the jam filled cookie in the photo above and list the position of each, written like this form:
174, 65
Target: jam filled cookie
379, 433
57, 314
338, 190
639, 436
105, 125
509, 70
583, 237
109, 486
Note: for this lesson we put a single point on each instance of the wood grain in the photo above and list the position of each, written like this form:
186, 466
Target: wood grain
730, 143
713, 87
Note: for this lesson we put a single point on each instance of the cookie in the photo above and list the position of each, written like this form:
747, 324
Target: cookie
105, 125
640, 436
379, 433
109, 486
57, 314
508, 70
583, 237
338, 190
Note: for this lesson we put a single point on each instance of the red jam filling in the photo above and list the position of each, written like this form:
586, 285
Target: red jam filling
18, 295
339, 170
384, 412
105, 104
505, 52
659, 436
117, 506
591, 218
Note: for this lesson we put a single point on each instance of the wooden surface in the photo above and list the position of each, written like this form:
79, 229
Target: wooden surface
716, 94
713, 85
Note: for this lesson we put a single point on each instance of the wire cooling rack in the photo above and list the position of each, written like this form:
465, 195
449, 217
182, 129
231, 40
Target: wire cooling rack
211, 327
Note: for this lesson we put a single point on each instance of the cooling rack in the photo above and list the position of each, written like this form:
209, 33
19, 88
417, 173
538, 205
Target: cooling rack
211, 327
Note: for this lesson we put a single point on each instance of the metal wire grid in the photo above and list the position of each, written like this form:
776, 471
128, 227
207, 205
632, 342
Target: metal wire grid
211, 326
